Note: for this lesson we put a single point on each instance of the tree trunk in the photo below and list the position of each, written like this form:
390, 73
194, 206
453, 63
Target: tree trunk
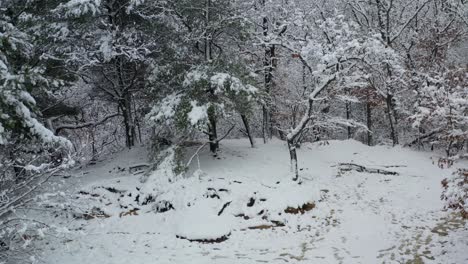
369, 122
265, 123
272, 65
212, 131
281, 135
293, 157
137, 123
292, 139
390, 110
212, 126
93, 145
348, 116
131, 123
449, 148
207, 35
247, 130
128, 142
267, 71
127, 120
294, 111
296, 131
17, 169
125, 104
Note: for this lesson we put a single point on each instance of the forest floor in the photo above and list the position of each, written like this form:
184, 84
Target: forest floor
245, 200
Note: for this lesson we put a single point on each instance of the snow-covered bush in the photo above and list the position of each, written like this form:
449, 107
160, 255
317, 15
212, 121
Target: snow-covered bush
441, 108
455, 192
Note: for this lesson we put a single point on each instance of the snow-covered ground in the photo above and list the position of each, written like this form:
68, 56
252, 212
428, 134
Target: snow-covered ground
242, 197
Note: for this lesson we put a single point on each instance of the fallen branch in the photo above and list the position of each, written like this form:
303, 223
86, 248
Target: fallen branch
138, 167
346, 167
208, 240
422, 137
224, 207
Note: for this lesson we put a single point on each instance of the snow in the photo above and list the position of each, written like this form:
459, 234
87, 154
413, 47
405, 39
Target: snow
195, 76
2, 138
201, 222
80, 7
198, 113
358, 217
220, 80
24, 113
106, 47
166, 109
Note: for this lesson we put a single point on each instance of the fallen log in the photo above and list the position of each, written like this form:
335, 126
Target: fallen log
207, 240
346, 167
138, 168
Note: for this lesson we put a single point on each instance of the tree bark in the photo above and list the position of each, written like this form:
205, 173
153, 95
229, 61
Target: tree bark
265, 123
247, 130
127, 120
348, 116
212, 122
369, 122
267, 127
125, 104
207, 34
390, 110
212, 131
272, 65
293, 158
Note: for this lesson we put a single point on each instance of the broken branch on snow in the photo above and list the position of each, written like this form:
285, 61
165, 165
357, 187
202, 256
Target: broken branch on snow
346, 167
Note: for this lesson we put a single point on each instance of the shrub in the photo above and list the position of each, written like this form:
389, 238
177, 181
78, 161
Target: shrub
455, 192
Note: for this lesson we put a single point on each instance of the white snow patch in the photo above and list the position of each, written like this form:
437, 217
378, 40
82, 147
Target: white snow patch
201, 222
198, 113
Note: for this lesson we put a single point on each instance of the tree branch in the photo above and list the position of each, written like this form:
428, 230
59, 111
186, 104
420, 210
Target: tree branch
83, 125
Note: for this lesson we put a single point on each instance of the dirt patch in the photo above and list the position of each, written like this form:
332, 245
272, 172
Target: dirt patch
300, 210
261, 227
131, 212
450, 223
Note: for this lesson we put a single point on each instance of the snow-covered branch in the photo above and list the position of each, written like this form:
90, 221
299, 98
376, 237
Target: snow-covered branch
87, 124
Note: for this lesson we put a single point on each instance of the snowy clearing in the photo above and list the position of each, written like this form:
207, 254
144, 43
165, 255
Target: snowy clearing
233, 131
357, 217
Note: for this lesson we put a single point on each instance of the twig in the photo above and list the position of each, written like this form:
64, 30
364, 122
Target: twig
206, 143
6, 207
196, 153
